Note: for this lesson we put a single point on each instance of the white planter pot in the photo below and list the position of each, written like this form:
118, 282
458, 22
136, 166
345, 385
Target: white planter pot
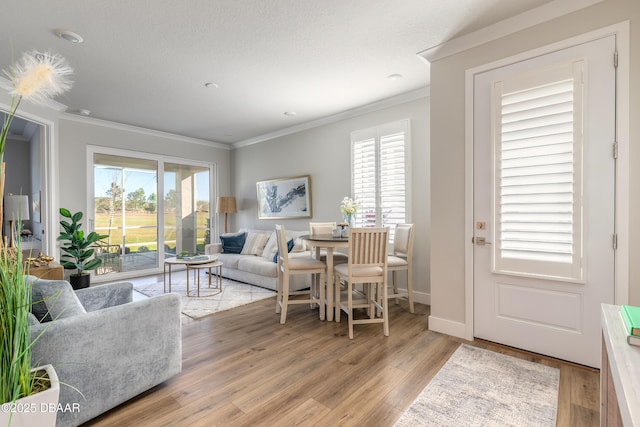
36, 410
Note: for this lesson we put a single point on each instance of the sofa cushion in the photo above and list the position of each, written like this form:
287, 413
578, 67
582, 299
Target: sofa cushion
258, 265
230, 260
271, 247
254, 243
232, 243
54, 299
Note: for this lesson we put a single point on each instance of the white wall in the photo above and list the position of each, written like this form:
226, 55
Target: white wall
448, 145
324, 154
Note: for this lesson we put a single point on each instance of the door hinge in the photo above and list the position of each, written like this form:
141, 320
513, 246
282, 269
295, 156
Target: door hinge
615, 241
615, 150
615, 59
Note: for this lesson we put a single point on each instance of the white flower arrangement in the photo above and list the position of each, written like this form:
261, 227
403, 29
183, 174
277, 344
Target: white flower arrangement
349, 206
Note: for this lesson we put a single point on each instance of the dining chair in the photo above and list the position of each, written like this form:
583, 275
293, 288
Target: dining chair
367, 266
326, 228
299, 265
401, 260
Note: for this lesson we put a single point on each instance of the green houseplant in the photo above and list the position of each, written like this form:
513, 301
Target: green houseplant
78, 249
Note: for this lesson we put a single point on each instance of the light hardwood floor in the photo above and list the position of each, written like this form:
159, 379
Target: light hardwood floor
242, 368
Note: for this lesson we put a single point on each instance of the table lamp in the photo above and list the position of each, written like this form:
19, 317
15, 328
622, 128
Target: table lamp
226, 205
16, 208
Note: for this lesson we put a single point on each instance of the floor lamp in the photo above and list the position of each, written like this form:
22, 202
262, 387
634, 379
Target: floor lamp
16, 208
226, 205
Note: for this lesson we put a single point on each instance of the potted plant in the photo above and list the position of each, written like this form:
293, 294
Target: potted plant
24, 391
78, 249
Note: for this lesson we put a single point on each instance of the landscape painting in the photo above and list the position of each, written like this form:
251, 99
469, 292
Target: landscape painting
284, 198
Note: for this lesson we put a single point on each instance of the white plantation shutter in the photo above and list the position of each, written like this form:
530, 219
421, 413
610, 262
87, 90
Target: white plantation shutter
379, 175
538, 173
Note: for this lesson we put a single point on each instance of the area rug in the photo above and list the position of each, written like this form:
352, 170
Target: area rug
478, 387
234, 294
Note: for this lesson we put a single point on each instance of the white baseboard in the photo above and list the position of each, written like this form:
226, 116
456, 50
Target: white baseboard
420, 297
449, 327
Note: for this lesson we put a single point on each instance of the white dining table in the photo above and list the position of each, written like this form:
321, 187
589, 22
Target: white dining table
328, 242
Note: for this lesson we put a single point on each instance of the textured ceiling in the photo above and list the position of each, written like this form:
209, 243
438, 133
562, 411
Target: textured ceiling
146, 62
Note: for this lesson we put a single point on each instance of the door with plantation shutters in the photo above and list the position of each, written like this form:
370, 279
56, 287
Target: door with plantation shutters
544, 132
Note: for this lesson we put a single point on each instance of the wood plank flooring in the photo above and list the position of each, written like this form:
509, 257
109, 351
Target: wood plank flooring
242, 368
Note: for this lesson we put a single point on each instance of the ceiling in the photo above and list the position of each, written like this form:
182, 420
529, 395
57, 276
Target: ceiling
146, 62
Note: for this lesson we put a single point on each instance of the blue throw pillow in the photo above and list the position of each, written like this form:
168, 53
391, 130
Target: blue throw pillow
289, 247
233, 244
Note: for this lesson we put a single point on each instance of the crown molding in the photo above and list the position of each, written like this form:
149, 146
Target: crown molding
527, 19
354, 112
142, 131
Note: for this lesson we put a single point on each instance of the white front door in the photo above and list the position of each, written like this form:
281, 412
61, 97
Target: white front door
544, 132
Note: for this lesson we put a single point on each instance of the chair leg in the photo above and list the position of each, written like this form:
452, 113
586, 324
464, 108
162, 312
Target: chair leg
385, 309
410, 289
322, 289
350, 308
336, 297
285, 298
279, 296
394, 280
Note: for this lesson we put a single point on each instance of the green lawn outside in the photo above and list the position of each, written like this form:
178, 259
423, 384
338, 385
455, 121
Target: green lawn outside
142, 229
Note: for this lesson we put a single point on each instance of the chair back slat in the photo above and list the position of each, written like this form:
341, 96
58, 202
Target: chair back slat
368, 246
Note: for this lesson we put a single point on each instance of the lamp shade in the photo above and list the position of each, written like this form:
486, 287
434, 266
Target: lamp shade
226, 205
16, 207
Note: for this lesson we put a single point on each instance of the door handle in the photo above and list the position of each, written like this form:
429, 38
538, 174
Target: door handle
481, 241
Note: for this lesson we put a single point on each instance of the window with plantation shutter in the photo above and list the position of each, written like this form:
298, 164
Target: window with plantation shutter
537, 134
379, 175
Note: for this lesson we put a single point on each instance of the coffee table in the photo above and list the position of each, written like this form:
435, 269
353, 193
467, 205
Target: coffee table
217, 265
205, 261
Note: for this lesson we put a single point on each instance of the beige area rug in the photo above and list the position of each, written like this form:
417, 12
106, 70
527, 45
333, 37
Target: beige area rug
234, 294
478, 387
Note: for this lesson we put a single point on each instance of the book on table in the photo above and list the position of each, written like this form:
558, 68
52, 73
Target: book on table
631, 321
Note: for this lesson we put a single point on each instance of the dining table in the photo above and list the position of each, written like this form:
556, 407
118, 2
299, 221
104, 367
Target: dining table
328, 242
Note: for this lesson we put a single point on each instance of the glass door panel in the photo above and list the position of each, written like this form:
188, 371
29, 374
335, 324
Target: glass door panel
125, 203
187, 203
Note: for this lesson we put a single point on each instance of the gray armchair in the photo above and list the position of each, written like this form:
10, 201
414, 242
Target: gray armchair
103, 344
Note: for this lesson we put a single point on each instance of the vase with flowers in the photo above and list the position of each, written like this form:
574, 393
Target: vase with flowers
37, 77
349, 207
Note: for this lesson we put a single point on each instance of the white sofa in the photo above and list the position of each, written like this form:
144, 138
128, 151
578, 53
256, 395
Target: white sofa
256, 265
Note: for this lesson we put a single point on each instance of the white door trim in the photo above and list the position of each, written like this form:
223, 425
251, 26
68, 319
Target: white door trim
621, 31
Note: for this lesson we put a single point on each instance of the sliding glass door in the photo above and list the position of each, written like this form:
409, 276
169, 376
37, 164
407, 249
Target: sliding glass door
143, 229
186, 209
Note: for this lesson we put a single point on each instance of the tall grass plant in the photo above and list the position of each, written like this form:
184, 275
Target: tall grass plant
16, 380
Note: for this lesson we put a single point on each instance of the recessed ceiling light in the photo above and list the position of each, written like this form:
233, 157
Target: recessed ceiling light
290, 113
394, 76
69, 36
211, 85
84, 112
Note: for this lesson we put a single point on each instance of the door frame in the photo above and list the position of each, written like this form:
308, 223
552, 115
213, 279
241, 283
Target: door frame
621, 268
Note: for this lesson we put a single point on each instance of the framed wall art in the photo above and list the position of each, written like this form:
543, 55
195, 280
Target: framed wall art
284, 198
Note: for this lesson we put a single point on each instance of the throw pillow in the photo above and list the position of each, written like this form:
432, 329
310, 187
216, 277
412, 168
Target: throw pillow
54, 299
271, 247
289, 247
254, 244
232, 244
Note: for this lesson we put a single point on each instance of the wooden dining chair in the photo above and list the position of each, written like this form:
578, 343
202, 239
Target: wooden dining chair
401, 260
299, 265
367, 266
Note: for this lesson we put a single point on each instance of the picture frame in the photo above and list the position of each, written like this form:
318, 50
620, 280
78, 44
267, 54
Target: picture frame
284, 198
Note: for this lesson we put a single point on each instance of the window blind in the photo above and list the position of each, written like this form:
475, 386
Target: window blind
379, 171
538, 176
